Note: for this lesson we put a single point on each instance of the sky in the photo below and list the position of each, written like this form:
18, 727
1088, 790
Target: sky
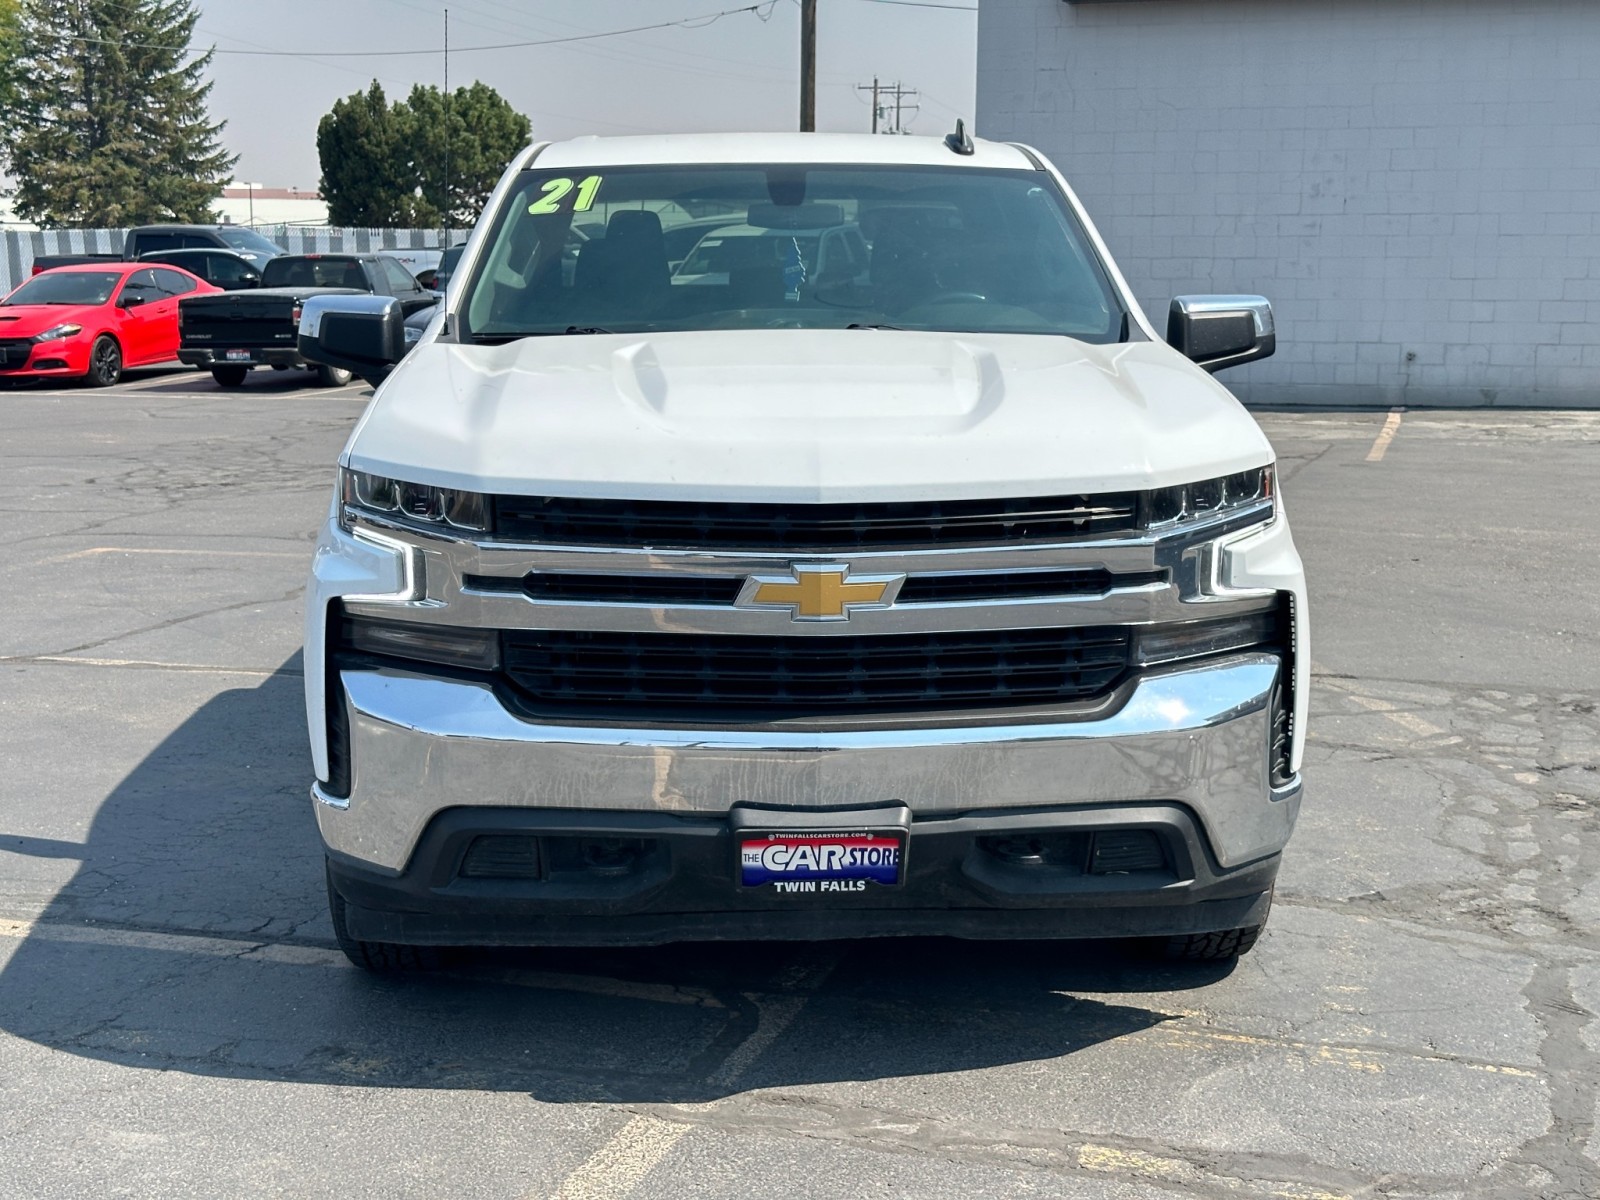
739, 72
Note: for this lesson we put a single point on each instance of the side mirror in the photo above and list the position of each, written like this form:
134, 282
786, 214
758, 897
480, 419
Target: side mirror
1222, 331
130, 299
361, 334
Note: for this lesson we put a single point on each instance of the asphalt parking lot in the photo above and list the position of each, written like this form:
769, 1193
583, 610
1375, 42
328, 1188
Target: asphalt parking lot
174, 1019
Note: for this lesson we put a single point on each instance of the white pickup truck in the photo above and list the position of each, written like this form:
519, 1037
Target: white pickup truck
919, 587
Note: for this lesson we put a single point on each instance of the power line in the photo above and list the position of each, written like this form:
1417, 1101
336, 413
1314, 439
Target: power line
685, 22
925, 4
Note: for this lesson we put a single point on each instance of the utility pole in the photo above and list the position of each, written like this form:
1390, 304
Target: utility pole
880, 108
900, 94
861, 87
808, 66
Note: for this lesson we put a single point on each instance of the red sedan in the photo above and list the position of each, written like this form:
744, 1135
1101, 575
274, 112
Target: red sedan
91, 321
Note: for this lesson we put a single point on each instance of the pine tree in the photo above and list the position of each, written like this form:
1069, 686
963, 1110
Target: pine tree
10, 49
110, 118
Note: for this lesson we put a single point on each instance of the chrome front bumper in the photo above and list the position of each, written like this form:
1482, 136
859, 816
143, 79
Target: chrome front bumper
1196, 736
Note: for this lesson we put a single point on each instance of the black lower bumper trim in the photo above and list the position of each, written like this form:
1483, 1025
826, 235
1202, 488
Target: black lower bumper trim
613, 878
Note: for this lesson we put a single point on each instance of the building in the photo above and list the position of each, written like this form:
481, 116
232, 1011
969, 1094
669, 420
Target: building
1413, 183
239, 204
246, 204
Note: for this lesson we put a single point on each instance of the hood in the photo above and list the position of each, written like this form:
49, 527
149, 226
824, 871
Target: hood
807, 416
25, 320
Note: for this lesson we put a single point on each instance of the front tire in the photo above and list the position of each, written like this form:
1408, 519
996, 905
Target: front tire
229, 377
105, 362
1222, 946
332, 376
381, 958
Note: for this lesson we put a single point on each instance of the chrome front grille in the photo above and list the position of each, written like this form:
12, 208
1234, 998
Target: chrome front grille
609, 634
664, 589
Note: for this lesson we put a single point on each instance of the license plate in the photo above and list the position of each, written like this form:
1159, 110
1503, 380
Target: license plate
820, 862
236, 355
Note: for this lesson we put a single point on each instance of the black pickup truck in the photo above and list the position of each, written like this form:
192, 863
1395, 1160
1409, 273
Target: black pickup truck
241, 330
147, 239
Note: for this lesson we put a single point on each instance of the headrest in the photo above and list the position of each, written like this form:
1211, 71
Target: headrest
634, 223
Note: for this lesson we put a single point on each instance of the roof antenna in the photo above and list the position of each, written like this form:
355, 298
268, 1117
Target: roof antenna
959, 141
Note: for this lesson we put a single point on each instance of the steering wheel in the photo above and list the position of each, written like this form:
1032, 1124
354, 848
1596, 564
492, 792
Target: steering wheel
953, 298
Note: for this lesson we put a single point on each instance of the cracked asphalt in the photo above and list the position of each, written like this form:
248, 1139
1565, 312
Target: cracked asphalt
174, 1019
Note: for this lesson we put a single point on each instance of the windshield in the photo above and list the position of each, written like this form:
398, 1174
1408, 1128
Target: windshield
314, 271
67, 287
249, 240
958, 249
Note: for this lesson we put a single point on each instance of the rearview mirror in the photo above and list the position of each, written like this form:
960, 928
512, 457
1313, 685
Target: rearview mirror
1222, 331
361, 334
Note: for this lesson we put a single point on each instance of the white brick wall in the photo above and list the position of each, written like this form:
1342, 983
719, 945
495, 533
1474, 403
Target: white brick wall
1413, 183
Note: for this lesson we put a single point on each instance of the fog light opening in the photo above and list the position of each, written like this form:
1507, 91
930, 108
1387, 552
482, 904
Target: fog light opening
610, 856
501, 856
1123, 851
1036, 849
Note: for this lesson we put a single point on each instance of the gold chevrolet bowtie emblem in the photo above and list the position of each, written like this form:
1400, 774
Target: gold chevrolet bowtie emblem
819, 591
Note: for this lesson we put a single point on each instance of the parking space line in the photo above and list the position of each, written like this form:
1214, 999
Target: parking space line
1408, 721
67, 660
300, 954
1380, 445
627, 1157
624, 1159
162, 550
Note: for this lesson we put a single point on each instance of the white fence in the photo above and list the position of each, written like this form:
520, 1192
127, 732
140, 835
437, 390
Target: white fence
18, 250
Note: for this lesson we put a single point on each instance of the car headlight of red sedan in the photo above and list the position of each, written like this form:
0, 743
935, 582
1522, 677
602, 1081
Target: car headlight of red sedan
56, 332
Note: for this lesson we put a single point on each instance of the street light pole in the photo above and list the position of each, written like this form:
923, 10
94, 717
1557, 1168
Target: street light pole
808, 66
250, 190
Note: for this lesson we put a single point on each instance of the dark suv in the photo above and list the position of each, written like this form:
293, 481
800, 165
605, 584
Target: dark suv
226, 269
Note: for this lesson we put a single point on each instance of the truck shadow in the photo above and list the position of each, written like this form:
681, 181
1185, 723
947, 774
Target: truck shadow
193, 937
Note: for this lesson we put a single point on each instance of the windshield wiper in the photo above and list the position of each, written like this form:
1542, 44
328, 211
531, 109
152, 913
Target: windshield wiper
500, 339
897, 328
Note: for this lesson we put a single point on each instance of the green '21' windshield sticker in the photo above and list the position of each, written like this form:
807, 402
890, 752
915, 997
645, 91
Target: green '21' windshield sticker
555, 191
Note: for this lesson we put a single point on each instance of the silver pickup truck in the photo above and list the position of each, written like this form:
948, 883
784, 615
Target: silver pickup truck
922, 588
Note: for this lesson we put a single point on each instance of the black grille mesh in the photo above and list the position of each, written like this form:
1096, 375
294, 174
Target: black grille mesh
752, 678
552, 520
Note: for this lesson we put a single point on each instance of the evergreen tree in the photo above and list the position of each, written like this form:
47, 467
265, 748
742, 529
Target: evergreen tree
109, 119
473, 138
358, 144
385, 165
10, 49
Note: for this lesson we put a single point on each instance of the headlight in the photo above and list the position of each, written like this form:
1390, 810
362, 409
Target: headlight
413, 503
56, 332
1199, 501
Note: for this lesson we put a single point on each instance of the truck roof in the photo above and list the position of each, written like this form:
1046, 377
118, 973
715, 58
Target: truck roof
709, 148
